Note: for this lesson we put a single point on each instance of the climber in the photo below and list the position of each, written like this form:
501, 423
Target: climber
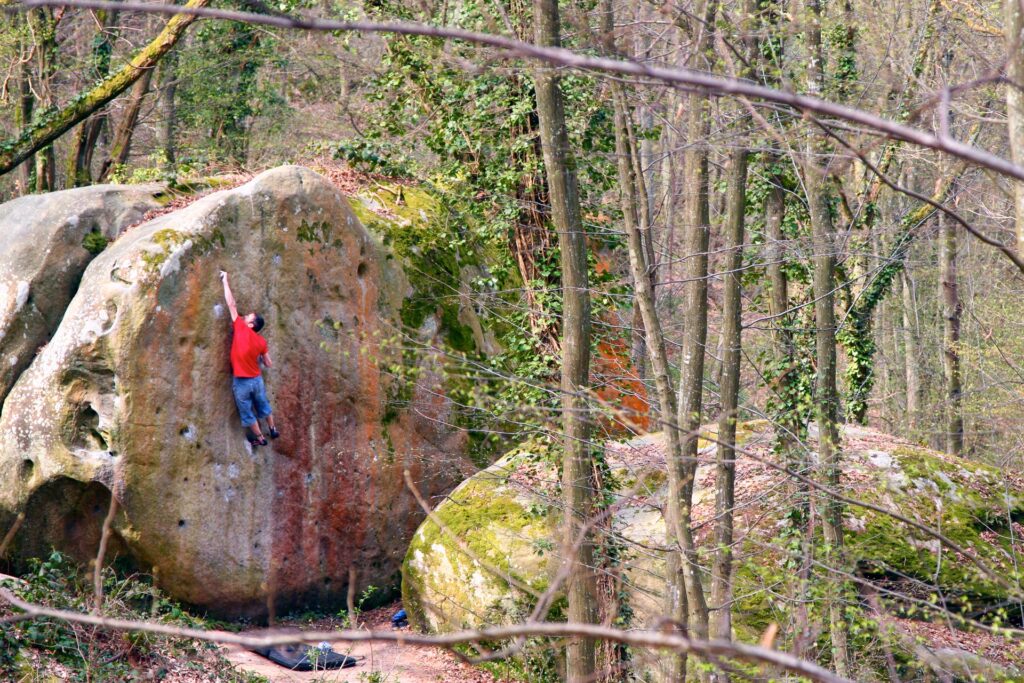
248, 349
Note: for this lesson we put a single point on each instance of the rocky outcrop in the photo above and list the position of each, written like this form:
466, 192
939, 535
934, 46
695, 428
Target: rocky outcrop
48, 241
131, 399
496, 542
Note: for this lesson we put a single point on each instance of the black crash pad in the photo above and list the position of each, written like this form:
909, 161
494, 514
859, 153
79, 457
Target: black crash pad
297, 658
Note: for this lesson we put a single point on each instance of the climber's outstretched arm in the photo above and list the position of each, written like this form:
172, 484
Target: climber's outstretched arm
228, 296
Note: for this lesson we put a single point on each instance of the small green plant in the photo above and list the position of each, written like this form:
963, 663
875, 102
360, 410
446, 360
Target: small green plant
28, 648
95, 242
123, 174
350, 618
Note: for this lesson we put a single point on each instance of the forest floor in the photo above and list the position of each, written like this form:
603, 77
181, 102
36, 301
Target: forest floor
379, 662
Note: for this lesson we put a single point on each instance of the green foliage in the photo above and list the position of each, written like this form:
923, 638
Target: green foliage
156, 171
791, 378
471, 139
317, 232
842, 41
224, 105
92, 654
350, 618
859, 344
766, 172
94, 242
856, 336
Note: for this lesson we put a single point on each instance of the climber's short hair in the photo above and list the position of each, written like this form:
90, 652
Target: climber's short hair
257, 323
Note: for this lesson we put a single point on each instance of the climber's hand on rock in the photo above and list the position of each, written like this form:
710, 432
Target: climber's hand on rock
223, 275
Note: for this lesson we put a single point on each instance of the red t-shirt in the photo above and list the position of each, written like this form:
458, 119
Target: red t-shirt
246, 348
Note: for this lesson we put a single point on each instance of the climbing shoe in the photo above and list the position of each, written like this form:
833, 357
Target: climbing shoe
257, 441
274, 433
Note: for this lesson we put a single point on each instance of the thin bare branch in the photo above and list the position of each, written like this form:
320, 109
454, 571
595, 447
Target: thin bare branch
561, 56
272, 638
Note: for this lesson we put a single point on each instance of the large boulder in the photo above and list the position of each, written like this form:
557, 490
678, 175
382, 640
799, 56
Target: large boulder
48, 241
131, 399
495, 541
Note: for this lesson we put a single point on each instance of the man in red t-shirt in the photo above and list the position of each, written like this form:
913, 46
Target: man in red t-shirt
248, 349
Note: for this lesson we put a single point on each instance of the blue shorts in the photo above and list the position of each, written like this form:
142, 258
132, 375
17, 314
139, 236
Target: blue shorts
251, 399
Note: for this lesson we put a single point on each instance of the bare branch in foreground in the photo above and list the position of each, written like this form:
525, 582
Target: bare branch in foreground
643, 639
564, 57
9, 536
97, 577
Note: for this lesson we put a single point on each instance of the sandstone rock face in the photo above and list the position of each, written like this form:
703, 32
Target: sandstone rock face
502, 528
46, 247
132, 398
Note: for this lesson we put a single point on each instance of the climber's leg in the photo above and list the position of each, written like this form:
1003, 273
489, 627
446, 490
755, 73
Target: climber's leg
262, 405
244, 389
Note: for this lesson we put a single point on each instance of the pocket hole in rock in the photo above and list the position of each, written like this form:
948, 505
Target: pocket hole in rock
87, 430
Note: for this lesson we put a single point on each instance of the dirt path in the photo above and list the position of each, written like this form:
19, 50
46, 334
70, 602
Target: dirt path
379, 662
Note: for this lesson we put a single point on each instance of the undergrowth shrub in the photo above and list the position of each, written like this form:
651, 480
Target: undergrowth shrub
38, 649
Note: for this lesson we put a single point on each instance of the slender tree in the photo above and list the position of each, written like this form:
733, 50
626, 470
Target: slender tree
43, 25
911, 354
577, 467
725, 466
79, 171
951, 308
165, 130
121, 145
53, 125
721, 573
1014, 27
823, 287
673, 666
696, 239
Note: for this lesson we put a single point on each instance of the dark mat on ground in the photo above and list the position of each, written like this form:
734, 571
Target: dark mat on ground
298, 658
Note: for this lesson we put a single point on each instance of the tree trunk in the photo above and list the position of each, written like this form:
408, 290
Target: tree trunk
672, 667
79, 171
951, 309
1014, 22
910, 352
13, 152
44, 30
721, 573
677, 526
577, 469
823, 287
858, 329
168, 112
23, 117
695, 322
120, 148
644, 214
79, 163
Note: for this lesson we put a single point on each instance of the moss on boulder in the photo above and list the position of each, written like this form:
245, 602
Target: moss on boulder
502, 538
509, 515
